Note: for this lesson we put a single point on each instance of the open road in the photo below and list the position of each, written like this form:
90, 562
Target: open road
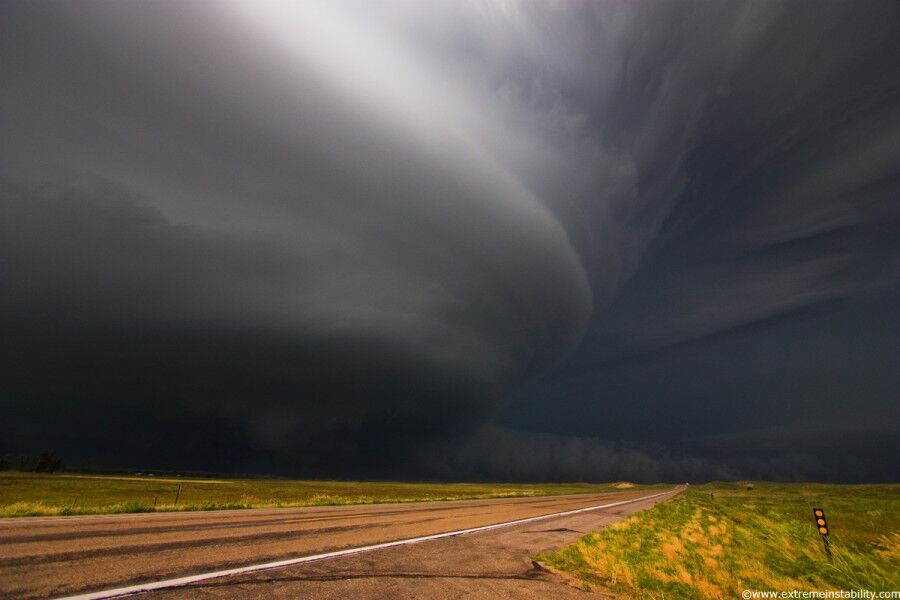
47, 557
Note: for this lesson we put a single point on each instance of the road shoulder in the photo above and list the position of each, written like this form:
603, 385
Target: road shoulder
493, 564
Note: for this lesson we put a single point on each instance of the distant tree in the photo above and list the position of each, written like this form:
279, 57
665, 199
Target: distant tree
48, 461
4, 463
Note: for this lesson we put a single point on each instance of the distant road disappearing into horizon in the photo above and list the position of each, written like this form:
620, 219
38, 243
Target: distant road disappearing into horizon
53, 557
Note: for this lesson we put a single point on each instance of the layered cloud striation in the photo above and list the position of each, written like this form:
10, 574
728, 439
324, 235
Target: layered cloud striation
333, 237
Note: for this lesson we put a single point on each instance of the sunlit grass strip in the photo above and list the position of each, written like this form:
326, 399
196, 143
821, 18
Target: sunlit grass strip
39, 509
29, 494
715, 541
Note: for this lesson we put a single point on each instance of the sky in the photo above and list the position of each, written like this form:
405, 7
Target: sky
558, 240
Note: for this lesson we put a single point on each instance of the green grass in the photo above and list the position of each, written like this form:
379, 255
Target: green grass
714, 541
32, 494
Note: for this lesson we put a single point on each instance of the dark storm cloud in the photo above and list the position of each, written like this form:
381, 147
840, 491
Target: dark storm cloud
766, 297
338, 237
204, 225
489, 453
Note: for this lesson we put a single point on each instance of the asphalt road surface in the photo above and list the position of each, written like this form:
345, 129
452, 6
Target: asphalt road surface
46, 557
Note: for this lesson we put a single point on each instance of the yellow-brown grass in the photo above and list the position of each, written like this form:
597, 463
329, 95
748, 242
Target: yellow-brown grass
31, 494
712, 542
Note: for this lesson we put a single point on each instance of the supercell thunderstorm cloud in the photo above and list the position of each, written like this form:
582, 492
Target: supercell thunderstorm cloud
505, 240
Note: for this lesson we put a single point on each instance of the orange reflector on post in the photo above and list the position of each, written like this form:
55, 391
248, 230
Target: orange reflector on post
822, 526
821, 523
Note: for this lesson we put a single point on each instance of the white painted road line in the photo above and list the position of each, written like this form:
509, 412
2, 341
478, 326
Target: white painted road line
182, 581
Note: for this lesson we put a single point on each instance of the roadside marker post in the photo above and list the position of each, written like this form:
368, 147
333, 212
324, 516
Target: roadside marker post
822, 526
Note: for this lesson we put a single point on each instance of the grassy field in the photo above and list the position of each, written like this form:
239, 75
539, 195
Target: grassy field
716, 540
31, 494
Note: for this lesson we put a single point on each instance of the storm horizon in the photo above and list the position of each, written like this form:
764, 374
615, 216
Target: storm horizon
512, 241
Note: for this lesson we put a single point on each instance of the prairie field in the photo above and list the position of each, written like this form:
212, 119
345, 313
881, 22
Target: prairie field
714, 541
33, 494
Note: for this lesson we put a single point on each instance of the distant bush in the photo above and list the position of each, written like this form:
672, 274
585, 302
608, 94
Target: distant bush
49, 461
46, 461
